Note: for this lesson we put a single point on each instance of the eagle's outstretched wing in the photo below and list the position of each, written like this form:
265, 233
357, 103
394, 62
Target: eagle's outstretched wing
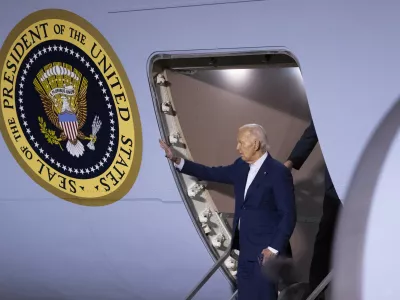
49, 109
81, 105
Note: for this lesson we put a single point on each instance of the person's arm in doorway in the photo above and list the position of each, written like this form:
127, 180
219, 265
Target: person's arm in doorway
303, 148
221, 174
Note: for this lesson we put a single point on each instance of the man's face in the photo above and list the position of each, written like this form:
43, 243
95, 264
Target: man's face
246, 145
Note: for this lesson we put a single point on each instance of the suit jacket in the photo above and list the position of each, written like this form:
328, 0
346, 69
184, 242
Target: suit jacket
268, 214
303, 149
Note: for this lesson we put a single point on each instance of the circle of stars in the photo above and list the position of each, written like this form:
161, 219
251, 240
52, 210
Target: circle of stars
47, 157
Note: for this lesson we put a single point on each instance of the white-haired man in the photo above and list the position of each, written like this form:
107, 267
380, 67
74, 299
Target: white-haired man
265, 211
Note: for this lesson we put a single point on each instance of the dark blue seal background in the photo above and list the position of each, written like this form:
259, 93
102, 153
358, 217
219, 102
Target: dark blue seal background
91, 163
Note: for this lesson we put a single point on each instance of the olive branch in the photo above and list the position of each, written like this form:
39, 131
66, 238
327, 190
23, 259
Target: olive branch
50, 135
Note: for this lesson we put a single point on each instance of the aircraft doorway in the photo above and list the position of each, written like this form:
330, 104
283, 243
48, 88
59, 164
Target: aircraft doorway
200, 103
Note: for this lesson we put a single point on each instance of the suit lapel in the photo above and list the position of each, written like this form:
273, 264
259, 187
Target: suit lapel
244, 173
260, 177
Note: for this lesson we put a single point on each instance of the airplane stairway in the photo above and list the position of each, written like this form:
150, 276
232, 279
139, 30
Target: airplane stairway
295, 291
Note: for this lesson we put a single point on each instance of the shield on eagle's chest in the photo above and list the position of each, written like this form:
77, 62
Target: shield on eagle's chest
69, 123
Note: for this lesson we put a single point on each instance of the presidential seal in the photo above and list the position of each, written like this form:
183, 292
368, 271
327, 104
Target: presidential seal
68, 112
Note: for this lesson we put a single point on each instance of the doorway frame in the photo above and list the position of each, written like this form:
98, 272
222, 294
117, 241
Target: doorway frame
212, 56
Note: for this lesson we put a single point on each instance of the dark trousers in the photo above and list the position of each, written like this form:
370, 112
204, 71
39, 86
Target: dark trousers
252, 283
321, 260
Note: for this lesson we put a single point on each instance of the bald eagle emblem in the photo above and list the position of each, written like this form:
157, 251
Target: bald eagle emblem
62, 90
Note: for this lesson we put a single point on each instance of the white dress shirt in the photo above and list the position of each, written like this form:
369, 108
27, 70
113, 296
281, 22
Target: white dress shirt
254, 168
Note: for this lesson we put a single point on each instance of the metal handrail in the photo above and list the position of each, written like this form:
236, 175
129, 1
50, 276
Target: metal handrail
234, 295
321, 287
214, 268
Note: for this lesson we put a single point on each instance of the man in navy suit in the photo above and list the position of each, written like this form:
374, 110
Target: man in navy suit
265, 210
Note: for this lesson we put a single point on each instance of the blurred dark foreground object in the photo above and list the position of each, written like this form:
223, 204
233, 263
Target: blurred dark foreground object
297, 291
280, 269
